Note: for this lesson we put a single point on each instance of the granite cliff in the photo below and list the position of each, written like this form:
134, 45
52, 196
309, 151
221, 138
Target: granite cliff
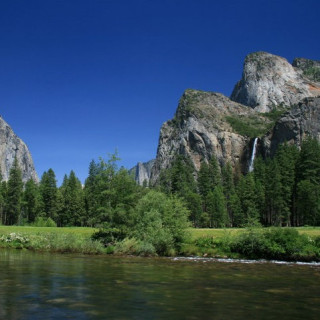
269, 80
142, 172
12, 146
274, 101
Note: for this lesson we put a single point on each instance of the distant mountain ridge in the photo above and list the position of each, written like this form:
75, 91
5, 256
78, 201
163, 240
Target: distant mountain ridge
274, 101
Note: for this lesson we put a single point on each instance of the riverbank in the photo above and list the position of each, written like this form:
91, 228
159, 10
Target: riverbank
289, 244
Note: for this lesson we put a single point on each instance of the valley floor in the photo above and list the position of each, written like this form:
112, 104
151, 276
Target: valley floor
285, 243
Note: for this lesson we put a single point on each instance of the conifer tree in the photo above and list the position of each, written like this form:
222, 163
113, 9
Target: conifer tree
14, 195
216, 208
48, 191
31, 201
72, 213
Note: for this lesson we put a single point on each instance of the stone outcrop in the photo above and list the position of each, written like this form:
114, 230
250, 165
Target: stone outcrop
300, 121
12, 146
200, 130
142, 172
310, 68
208, 124
269, 81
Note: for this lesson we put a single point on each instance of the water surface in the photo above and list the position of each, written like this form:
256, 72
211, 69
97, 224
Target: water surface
46, 286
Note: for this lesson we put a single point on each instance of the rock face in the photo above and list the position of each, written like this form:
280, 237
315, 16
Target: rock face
310, 68
12, 146
300, 121
199, 131
269, 80
142, 172
208, 124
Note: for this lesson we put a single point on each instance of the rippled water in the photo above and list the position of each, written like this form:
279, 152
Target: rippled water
43, 286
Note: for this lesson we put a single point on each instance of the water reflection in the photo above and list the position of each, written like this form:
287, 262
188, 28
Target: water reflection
43, 286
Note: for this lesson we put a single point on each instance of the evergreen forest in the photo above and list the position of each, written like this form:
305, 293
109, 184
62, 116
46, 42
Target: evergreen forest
281, 191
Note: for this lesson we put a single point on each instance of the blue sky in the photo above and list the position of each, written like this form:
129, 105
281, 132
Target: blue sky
80, 79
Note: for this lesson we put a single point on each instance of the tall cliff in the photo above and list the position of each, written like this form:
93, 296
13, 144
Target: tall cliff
269, 80
203, 127
142, 172
274, 100
12, 146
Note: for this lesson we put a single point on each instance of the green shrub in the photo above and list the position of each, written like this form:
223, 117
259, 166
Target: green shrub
134, 246
109, 236
44, 222
276, 243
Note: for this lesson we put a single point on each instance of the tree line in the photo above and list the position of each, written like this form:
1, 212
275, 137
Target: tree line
281, 191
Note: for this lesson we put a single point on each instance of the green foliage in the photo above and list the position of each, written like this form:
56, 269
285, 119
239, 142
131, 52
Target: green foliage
250, 126
44, 222
72, 209
276, 243
161, 221
31, 201
312, 72
49, 194
14, 195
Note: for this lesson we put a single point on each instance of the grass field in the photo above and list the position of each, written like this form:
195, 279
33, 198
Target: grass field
80, 231
87, 232
219, 233
203, 242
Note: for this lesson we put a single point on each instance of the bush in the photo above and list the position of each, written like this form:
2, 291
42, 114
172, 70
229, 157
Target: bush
109, 236
162, 222
276, 243
43, 222
134, 246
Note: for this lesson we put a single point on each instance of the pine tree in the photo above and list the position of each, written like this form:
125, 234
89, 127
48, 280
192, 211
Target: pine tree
246, 191
48, 191
286, 157
3, 199
31, 201
228, 189
216, 208
14, 195
72, 213
308, 206
204, 182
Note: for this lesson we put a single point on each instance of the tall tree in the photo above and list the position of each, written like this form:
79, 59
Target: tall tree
31, 200
48, 191
72, 213
14, 194
216, 208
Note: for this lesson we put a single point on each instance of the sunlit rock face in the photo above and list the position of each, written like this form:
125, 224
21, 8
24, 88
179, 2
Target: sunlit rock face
269, 81
12, 146
142, 172
201, 127
200, 131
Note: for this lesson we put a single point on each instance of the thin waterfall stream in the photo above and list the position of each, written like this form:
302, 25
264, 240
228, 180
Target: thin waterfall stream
251, 167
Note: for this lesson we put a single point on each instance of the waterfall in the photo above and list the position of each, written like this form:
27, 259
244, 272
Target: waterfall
253, 154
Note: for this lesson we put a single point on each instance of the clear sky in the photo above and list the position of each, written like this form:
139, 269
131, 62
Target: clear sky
82, 78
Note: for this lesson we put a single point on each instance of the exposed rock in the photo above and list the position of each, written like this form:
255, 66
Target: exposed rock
199, 131
12, 146
269, 80
310, 68
142, 172
208, 124
300, 121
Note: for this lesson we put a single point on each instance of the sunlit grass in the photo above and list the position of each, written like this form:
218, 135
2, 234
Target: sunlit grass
219, 233
80, 231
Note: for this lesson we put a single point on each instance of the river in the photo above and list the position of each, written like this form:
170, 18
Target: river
53, 286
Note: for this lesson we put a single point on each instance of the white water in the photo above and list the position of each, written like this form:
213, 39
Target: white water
253, 154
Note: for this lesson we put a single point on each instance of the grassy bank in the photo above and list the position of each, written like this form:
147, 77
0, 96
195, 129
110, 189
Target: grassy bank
50, 239
270, 243
290, 244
